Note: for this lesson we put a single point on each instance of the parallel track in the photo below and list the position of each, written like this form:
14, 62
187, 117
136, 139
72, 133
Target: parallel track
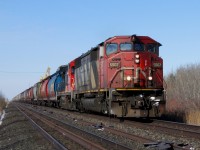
165, 130
169, 128
57, 145
133, 137
165, 127
78, 139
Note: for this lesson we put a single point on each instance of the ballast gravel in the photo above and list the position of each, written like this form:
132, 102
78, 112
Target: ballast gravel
16, 133
74, 119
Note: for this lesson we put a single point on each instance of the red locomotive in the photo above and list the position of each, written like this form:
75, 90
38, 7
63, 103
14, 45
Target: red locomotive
122, 76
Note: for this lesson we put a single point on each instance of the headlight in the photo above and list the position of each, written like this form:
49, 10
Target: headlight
152, 98
137, 61
137, 56
141, 95
156, 104
128, 78
150, 78
157, 100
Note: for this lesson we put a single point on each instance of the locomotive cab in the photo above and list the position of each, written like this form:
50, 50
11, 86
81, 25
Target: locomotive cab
133, 72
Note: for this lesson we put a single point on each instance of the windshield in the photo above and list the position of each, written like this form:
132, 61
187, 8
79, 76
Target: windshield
126, 46
151, 48
139, 47
111, 48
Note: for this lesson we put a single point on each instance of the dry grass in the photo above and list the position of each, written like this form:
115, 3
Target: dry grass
179, 113
193, 117
183, 94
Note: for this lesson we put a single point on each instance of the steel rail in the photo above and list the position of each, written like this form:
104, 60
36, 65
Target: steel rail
136, 137
86, 145
168, 130
80, 140
131, 136
55, 143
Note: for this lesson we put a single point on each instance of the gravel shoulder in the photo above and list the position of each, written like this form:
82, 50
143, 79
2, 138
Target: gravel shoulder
17, 133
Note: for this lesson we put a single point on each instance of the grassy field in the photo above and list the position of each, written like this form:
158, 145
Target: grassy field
193, 117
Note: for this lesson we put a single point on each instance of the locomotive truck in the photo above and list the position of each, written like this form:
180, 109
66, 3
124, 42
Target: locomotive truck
121, 76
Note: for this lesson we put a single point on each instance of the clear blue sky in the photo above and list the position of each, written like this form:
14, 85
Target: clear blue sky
35, 34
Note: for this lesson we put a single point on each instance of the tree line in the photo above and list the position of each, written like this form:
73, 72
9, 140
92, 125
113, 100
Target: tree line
183, 90
3, 101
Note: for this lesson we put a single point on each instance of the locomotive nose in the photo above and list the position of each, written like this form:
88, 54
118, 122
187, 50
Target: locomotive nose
157, 71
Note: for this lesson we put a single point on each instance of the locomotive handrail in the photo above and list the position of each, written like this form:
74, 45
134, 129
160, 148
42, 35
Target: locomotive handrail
125, 68
121, 69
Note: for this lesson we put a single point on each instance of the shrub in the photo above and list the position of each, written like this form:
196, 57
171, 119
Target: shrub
183, 92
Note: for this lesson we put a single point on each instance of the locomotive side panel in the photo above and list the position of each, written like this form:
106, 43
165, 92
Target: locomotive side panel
94, 80
86, 72
78, 75
94, 70
70, 78
60, 83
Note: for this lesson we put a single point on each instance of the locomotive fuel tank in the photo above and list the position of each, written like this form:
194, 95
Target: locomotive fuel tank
94, 104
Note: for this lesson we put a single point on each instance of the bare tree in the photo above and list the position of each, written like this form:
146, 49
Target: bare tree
183, 88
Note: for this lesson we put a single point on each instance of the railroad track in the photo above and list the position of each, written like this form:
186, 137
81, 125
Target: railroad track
125, 134
175, 129
165, 127
56, 143
177, 125
131, 136
80, 139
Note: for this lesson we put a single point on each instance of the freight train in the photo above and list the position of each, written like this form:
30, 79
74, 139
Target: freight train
121, 76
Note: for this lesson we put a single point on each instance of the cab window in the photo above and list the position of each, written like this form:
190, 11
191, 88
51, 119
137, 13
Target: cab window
151, 48
126, 46
139, 47
111, 48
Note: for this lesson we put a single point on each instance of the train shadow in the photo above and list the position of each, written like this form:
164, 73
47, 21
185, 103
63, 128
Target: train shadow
141, 120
